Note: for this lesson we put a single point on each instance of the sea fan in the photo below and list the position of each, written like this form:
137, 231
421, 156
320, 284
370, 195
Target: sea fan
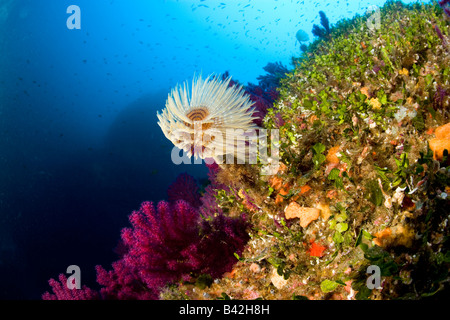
171, 242
209, 206
275, 72
159, 240
265, 92
123, 282
166, 244
203, 122
184, 188
324, 31
62, 292
445, 4
222, 238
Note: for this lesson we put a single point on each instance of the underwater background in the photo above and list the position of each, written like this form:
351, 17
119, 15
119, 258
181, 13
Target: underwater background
80, 147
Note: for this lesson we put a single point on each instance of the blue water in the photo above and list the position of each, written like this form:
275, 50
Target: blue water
79, 144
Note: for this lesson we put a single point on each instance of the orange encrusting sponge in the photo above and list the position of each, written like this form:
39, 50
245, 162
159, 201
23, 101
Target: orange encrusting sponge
441, 142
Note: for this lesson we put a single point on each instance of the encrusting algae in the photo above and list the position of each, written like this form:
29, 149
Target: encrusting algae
364, 177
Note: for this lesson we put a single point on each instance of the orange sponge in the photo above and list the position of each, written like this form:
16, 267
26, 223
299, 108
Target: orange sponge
306, 215
441, 142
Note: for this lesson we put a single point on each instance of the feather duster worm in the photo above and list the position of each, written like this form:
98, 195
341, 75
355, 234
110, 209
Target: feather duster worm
205, 121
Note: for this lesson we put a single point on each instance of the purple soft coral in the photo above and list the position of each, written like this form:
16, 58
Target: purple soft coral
445, 6
123, 283
158, 241
439, 97
222, 237
184, 188
209, 206
441, 36
62, 292
172, 243
166, 244
264, 94
261, 106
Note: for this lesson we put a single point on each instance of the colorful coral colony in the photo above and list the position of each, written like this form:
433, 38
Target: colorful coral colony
364, 181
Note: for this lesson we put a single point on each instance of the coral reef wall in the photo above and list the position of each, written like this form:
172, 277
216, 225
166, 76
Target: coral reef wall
363, 183
363, 122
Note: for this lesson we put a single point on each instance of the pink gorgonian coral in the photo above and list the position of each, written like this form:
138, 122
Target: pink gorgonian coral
159, 242
265, 93
184, 188
209, 205
172, 242
165, 244
123, 282
445, 4
61, 291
